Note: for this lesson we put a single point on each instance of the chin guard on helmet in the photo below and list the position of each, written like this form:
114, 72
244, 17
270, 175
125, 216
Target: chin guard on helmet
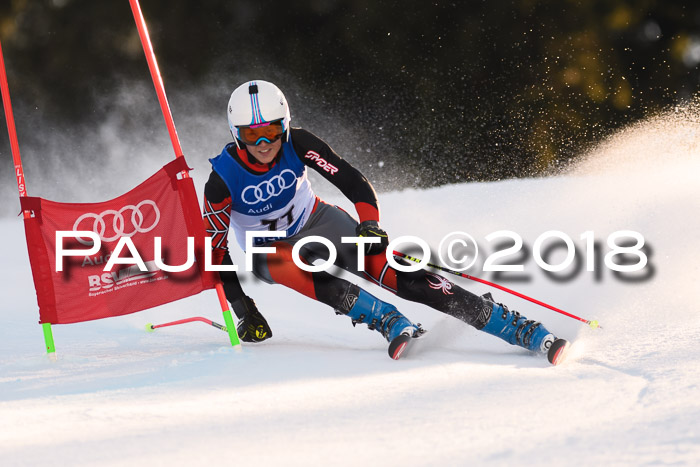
254, 110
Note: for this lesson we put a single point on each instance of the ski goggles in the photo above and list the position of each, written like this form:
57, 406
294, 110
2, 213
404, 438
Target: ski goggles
255, 134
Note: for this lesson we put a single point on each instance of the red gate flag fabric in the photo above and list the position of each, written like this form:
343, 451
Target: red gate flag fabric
163, 206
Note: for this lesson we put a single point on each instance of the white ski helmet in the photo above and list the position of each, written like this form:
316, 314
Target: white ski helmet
255, 103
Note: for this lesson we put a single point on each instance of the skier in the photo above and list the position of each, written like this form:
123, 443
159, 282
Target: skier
259, 183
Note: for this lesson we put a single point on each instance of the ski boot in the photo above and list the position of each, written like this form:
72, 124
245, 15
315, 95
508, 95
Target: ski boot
363, 307
518, 330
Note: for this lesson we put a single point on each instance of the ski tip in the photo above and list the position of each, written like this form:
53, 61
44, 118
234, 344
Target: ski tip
399, 350
557, 352
401, 342
399, 345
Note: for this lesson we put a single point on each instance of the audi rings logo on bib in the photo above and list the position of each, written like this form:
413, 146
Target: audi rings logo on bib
126, 222
263, 191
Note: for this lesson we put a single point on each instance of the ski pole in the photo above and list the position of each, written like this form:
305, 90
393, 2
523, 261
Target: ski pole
152, 327
593, 324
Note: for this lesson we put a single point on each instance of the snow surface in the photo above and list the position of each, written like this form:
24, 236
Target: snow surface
324, 393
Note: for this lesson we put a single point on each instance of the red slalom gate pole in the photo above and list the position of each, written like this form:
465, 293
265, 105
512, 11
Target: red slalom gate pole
170, 123
12, 131
155, 75
593, 324
19, 172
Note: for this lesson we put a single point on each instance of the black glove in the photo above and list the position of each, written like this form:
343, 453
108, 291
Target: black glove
252, 327
372, 229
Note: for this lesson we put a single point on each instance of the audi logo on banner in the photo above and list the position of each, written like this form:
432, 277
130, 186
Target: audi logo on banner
253, 194
125, 222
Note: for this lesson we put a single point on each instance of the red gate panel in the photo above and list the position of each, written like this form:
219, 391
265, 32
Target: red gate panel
163, 206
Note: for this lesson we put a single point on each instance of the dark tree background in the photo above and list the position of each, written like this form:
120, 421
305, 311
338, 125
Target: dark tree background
440, 92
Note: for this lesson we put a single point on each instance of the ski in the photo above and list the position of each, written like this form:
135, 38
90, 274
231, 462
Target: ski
402, 342
557, 352
399, 345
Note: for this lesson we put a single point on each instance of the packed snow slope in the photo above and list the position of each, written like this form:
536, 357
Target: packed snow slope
321, 392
